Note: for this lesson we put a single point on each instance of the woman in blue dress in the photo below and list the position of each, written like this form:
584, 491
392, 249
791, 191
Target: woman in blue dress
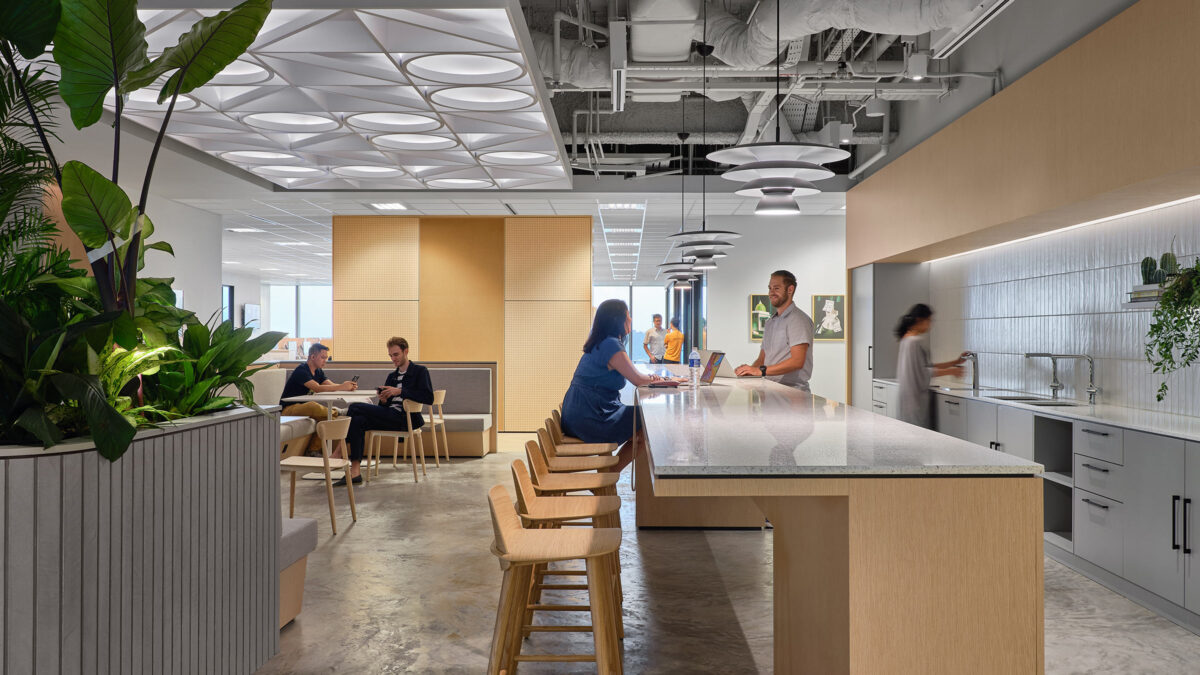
592, 410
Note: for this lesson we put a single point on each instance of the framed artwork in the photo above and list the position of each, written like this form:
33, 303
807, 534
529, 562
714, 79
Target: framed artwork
829, 318
250, 315
760, 311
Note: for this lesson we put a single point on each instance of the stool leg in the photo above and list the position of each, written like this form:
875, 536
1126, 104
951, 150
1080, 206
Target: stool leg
350, 489
437, 462
396, 448
408, 449
603, 636
496, 660
329, 493
368, 448
421, 449
521, 580
445, 443
292, 496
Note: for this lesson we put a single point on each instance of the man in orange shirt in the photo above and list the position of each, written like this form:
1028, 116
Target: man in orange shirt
674, 341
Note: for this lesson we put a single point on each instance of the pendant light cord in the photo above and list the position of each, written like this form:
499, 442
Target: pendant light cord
778, 101
704, 117
682, 169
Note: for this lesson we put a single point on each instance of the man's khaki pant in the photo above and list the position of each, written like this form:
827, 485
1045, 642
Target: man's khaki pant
314, 410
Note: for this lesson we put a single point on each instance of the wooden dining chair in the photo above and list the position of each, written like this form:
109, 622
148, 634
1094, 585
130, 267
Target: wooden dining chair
329, 432
412, 442
438, 421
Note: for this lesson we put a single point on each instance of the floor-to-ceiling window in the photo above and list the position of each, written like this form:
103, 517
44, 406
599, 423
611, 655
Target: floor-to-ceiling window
644, 302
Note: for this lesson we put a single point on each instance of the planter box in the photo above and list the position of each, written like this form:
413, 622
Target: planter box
163, 561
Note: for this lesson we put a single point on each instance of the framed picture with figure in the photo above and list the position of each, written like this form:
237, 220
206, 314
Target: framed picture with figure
829, 318
760, 311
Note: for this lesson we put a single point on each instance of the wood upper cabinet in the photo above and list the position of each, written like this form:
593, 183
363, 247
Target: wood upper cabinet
1153, 487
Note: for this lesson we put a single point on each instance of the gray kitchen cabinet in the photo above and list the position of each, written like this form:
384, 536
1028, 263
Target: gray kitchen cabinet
951, 416
880, 408
1014, 431
980, 422
1097, 530
879, 295
1153, 487
1190, 532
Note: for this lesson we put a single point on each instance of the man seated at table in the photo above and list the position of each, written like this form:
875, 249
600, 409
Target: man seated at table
409, 381
308, 378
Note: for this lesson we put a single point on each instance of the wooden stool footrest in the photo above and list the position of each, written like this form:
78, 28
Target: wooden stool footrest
559, 608
563, 587
556, 658
558, 629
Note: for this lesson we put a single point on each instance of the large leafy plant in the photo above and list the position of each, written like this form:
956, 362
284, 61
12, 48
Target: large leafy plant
80, 354
1173, 342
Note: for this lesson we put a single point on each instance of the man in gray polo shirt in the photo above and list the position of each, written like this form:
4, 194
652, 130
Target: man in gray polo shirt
786, 354
653, 344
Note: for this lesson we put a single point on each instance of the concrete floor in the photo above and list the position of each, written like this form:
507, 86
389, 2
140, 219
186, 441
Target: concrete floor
412, 587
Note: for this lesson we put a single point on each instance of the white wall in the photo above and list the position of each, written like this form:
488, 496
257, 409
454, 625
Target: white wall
811, 247
196, 237
247, 288
1062, 294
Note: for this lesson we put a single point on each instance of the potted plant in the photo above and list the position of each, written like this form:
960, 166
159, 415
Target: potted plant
79, 346
1173, 342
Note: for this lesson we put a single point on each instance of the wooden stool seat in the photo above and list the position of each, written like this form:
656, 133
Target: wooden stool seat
558, 464
585, 449
556, 429
538, 510
544, 481
305, 463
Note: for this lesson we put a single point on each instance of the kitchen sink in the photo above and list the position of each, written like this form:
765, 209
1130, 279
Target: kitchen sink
1058, 404
1016, 398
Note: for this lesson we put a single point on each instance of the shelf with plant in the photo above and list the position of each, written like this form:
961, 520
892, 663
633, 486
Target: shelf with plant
1155, 275
1173, 341
104, 354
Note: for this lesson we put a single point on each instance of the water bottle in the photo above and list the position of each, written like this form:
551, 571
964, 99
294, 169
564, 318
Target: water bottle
694, 367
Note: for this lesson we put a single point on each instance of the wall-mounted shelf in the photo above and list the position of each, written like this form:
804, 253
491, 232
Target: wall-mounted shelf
1139, 305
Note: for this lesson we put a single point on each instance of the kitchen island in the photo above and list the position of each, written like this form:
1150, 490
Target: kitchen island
896, 549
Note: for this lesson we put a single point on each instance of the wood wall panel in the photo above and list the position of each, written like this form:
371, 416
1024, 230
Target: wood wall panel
376, 258
361, 328
542, 343
1062, 145
461, 308
548, 258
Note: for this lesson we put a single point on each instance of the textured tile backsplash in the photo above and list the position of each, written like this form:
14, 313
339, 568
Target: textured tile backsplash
1062, 294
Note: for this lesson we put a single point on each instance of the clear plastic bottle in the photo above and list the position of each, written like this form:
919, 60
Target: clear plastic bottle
694, 367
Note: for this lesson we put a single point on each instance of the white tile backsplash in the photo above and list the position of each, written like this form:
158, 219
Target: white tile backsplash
1062, 293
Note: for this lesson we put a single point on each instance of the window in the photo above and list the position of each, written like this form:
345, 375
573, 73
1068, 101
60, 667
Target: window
647, 301
316, 311
226, 302
283, 310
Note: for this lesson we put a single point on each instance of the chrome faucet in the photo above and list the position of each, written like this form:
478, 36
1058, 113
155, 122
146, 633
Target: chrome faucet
1055, 385
1092, 389
974, 359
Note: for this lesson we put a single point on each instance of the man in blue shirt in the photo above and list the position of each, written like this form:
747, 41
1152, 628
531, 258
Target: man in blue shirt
309, 378
409, 381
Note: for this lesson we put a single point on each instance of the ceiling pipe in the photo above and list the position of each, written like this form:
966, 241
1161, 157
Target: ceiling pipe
884, 144
714, 138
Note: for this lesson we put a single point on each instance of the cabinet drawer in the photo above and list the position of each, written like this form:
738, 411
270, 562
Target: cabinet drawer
1096, 530
879, 408
1098, 476
951, 416
1099, 441
879, 392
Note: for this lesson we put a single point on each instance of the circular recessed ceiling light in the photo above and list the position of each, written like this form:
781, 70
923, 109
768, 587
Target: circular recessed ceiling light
517, 157
367, 171
297, 122
481, 98
242, 72
407, 122
258, 157
147, 99
463, 68
414, 142
459, 183
288, 171
777, 169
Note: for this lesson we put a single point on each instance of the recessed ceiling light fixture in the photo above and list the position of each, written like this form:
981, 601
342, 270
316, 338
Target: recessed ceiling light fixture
517, 158
624, 243
622, 230
269, 269
389, 206
292, 243
414, 142
623, 207
259, 157
288, 171
147, 100
389, 121
623, 255
482, 99
367, 171
242, 72
459, 183
463, 68
295, 122
243, 230
230, 262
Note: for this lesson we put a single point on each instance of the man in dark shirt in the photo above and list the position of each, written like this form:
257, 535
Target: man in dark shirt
309, 378
409, 381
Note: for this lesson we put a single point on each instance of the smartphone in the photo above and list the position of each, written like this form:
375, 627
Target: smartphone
354, 379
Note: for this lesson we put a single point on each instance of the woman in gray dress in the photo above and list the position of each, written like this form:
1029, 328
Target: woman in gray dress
914, 370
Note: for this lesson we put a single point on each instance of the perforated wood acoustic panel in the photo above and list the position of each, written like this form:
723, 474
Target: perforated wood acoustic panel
542, 343
361, 328
548, 258
376, 258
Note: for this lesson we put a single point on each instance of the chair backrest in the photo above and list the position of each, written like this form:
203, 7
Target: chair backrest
526, 495
505, 521
557, 417
330, 431
547, 444
537, 463
439, 396
555, 430
411, 406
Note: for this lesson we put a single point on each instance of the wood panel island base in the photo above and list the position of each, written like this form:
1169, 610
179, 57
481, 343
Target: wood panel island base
896, 549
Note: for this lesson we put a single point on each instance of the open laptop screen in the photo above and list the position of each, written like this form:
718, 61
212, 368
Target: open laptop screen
710, 369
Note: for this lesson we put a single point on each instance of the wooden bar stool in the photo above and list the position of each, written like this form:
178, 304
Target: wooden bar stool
558, 464
411, 438
577, 449
556, 415
329, 432
549, 483
519, 551
439, 397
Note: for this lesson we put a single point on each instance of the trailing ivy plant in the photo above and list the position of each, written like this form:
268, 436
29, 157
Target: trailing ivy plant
1173, 342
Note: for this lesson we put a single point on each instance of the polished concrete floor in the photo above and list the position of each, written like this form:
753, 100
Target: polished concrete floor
411, 587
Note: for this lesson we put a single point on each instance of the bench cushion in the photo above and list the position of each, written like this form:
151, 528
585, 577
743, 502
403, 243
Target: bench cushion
468, 390
298, 538
294, 427
464, 422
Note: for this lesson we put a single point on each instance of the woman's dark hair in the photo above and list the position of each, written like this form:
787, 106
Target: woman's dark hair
919, 312
609, 322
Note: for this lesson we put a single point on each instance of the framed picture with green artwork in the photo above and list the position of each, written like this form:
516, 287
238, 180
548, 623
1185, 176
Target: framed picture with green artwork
829, 318
760, 311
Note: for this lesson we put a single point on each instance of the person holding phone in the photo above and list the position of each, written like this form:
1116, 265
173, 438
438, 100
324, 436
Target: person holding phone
309, 378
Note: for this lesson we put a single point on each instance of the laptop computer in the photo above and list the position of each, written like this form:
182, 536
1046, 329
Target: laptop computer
707, 375
724, 369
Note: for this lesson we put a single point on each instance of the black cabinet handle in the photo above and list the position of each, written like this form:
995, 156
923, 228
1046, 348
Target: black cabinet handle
1187, 547
1094, 432
1174, 529
992, 445
1095, 468
1103, 506
998, 446
951, 402
870, 360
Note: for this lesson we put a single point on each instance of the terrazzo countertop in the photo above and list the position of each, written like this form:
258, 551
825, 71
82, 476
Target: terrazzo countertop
1149, 421
757, 428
